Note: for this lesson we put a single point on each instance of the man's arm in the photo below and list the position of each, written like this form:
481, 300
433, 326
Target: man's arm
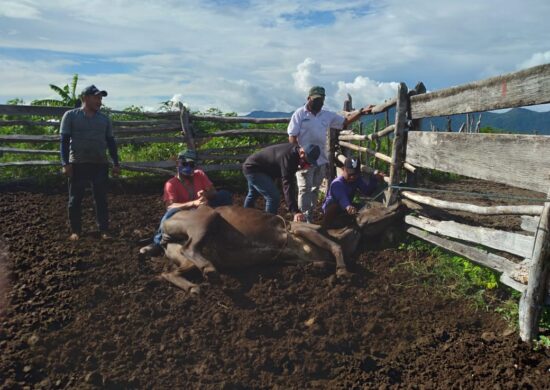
65, 142
355, 115
293, 139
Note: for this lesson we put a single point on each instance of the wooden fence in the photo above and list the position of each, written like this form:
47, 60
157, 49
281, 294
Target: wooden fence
168, 127
521, 161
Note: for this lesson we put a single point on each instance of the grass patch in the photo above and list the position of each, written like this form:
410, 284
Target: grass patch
451, 275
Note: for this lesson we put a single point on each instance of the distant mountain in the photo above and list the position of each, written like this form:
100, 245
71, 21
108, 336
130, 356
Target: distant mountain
516, 120
269, 114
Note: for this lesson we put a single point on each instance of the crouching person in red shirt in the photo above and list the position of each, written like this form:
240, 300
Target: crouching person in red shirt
189, 189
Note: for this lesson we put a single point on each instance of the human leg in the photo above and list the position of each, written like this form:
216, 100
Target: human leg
252, 194
77, 185
304, 181
265, 186
155, 249
100, 180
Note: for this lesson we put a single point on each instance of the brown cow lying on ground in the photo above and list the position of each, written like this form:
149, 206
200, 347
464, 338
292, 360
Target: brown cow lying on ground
234, 237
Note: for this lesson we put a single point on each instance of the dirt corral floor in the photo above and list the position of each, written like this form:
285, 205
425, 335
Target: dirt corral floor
86, 314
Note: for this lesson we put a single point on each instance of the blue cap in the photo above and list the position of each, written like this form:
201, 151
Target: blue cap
312, 153
92, 90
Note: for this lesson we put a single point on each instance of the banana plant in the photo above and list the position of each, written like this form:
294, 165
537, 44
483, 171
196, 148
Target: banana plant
67, 93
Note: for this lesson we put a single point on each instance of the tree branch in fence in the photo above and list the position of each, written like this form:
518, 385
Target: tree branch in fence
481, 210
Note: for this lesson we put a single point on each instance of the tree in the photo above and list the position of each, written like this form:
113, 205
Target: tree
68, 95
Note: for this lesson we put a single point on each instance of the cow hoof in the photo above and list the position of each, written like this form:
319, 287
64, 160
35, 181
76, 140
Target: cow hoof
195, 290
343, 274
212, 275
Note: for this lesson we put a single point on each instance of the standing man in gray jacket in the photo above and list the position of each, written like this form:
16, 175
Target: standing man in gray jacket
310, 125
86, 135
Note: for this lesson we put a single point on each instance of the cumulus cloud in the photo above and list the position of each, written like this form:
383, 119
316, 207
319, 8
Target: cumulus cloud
306, 75
364, 91
536, 59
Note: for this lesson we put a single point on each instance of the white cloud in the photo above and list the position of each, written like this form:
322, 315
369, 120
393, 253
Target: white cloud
306, 75
246, 55
366, 91
536, 59
20, 9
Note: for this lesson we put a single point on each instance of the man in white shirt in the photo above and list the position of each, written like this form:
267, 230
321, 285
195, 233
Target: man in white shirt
309, 125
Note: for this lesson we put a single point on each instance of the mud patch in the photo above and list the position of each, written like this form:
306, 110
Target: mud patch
4, 278
88, 314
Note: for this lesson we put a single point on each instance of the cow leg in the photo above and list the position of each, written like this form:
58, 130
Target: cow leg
202, 263
325, 243
177, 280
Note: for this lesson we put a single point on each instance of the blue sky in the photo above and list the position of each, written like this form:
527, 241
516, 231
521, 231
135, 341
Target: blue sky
245, 55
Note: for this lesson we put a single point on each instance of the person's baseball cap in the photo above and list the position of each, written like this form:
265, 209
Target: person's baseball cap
352, 166
316, 92
92, 90
312, 153
188, 155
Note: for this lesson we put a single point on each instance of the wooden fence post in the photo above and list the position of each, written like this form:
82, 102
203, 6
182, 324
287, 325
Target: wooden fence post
416, 125
185, 127
397, 156
532, 299
333, 140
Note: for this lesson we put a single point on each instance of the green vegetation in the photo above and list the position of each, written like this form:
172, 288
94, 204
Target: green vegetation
451, 275
67, 94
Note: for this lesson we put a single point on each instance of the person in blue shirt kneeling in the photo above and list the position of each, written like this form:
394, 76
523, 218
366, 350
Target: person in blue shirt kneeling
338, 207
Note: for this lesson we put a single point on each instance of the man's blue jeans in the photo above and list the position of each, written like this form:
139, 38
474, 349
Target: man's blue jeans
262, 184
223, 198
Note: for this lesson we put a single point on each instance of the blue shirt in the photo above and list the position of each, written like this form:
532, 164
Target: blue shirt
342, 192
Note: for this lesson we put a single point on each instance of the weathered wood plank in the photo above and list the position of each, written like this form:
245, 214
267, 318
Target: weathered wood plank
370, 137
479, 256
243, 133
30, 163
471, 208
9, 109
29, 123
27, 151
526, 158
514, 243
524, 88
530, 223
14, 138
171, 165
145, 130
238, 119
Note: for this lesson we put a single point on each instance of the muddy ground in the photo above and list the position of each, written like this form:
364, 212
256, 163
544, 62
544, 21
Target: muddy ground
87, 314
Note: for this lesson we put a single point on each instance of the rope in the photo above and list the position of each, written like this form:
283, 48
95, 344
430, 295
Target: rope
474, 194
283, 247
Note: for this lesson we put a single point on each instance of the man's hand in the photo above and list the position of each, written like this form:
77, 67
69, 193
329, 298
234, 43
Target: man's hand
379, 175
115, 171
299, 217
351, 210
67, 170
367, 110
